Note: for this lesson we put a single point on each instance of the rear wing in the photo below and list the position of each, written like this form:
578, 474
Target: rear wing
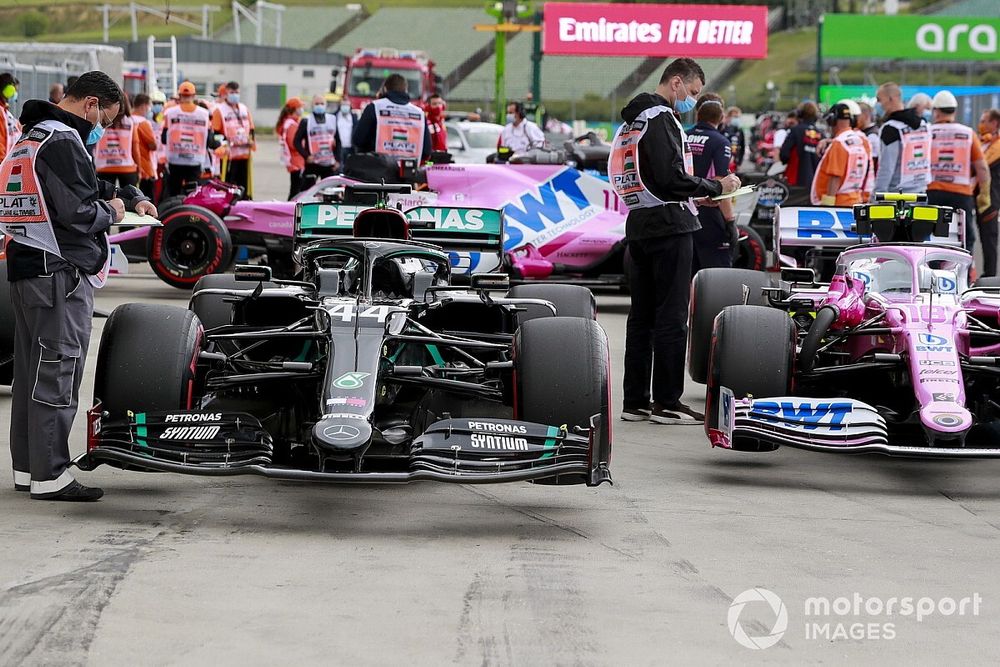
457, 229
824, 227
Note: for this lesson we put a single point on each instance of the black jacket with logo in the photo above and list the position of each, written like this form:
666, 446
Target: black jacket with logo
661, 168
74, 197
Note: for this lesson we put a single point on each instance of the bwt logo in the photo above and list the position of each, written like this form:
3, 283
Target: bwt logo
806, 415
932, 343
819, 224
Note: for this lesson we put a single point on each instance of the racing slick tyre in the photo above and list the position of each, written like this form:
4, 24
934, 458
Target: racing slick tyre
569, 300
212, 309
711, 291
6, 327
766, 371
193, 242
562, 376
752, 253
147, 359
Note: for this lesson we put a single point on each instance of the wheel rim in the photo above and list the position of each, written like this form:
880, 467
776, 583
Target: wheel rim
188, 246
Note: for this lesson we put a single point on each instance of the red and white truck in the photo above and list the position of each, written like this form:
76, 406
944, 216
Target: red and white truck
368, 68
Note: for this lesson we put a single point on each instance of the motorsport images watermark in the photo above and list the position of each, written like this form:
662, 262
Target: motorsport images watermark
854, 617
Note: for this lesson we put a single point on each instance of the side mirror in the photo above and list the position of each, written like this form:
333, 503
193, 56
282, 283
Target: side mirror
799, 276
253, 274
493, 282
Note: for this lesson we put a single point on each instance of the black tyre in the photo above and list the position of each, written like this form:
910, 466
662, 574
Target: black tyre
569, 300
757, 370
6, 328
136, 249
711, 291
212, 309
147, 359
562, 375
988, 281
193, 242
752, 252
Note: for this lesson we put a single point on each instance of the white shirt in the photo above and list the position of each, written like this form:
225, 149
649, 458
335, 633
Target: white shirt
522, 137
345, 125
779, 137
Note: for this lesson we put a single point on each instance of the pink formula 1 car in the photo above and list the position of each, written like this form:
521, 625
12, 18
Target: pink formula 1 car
896, 355
562, 224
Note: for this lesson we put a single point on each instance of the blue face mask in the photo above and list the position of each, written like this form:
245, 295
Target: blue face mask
927, 115
879, 111
685, 105
233, 98
157, 108
510, 118
95, 134
319, 109
13, 98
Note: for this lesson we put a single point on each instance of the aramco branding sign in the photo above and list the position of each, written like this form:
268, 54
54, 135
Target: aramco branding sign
910, 37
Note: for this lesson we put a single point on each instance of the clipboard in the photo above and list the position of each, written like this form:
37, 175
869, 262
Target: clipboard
136, 220
745, 190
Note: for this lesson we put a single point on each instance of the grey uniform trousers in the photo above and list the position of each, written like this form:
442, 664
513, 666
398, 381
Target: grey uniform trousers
52, 317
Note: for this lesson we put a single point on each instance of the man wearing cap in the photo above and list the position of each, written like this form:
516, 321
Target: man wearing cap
845, 175
315, 140
904, 145
187, 137
232, 119
57, 213
957, 164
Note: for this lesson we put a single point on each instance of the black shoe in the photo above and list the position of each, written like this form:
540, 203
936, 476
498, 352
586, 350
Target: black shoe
676, 414
635, 414
73, 493
22, 487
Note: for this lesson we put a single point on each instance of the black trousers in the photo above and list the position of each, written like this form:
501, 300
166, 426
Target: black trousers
238, 173
148, 187
120, 180
659, 272
179, 175
988, 238
711, 242
294, 183
968, 204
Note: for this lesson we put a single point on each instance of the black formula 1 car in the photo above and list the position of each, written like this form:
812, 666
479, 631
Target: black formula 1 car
369, 367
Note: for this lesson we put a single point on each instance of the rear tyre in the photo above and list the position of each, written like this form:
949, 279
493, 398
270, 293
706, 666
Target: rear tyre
711, 291
752, 252
562, 376
193, 242
147, 359
6, 327
764, 371
569, 300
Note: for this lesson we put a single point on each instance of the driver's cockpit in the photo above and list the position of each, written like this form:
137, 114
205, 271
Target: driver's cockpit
397, 271
933, 271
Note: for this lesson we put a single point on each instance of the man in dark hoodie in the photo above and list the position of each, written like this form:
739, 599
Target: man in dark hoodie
57, 213
799, 149
904, 145
392, 125
651, 169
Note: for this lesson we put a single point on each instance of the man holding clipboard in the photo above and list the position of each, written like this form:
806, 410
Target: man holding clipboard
651, 169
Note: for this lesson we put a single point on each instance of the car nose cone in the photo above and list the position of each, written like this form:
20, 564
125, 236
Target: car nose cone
342, 437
